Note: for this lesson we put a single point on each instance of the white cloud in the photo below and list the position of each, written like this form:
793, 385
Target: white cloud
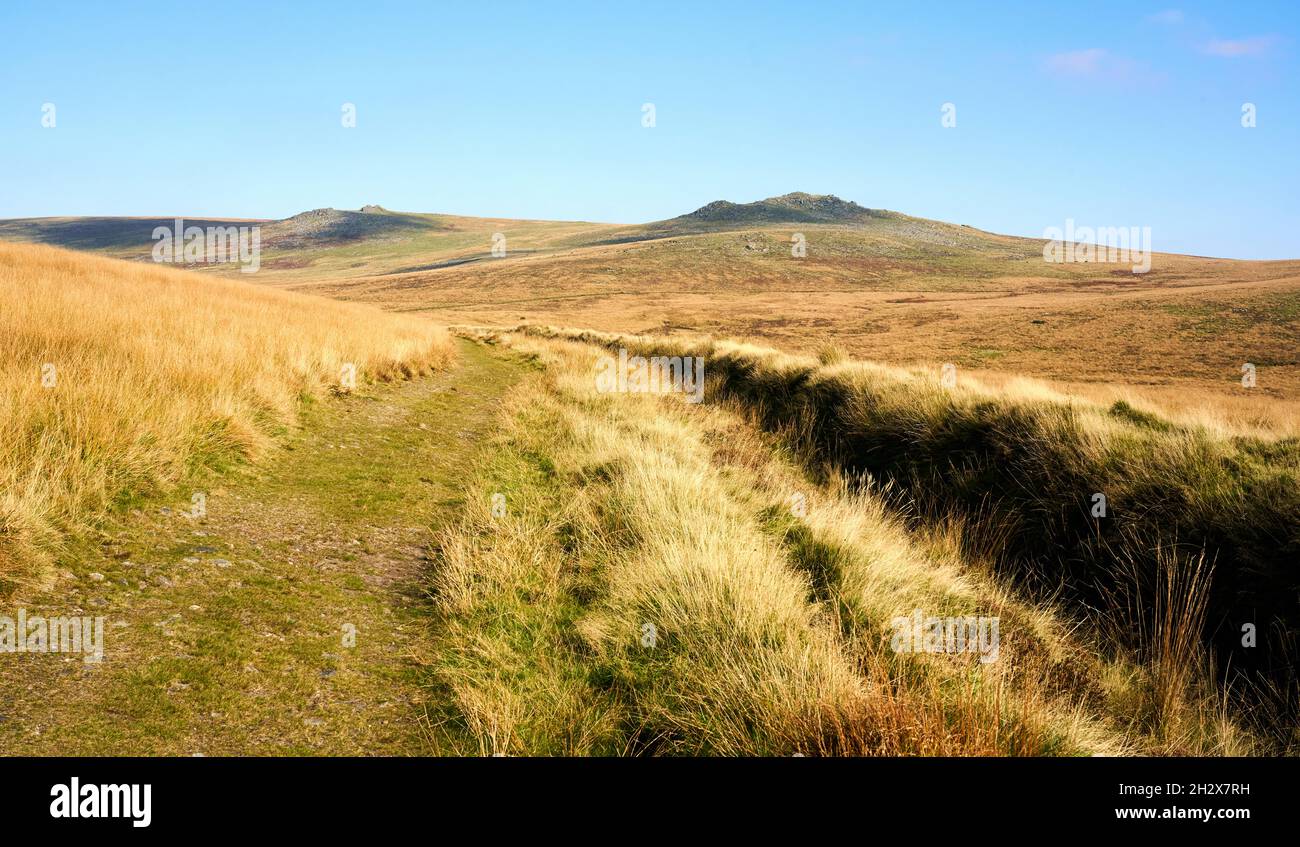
1232, 48
1169, 17
1100, 63
1079, 62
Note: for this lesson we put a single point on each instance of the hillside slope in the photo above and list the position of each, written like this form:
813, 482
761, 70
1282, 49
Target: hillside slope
635, 574
118, 380
884, 285
1194, 545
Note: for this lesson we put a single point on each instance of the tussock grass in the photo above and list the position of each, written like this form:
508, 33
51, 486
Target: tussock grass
1019, 467
158, 373
611, 526
771, 627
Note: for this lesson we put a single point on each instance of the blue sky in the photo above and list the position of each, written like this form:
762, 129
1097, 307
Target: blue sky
1110, 113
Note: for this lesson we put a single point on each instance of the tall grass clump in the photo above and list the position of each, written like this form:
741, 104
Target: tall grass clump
644, 587
623, 603
1028, 469
120, 379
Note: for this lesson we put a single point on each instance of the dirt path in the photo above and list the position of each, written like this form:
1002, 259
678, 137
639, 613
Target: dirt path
283, 621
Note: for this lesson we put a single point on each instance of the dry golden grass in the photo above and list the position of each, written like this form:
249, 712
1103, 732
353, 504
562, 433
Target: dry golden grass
898, 290
771, 629
992, 304
156, 373
1013, 461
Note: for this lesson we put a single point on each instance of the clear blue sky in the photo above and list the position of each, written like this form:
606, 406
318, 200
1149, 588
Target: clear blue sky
1110, 113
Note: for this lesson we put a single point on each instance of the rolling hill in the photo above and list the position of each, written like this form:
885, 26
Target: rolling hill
627, 510
881, 284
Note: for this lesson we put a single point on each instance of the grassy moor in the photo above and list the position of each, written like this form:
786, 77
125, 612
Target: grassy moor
403, 405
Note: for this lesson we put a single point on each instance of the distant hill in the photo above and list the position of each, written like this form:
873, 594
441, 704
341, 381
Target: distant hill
886, 284
726, 243
325, 228
105, 234
132, 237
796, 207
336, 226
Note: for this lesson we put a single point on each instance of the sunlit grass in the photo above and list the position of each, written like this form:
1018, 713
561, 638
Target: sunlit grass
154, 373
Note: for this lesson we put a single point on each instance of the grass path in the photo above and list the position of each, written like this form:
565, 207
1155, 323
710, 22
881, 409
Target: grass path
228, 634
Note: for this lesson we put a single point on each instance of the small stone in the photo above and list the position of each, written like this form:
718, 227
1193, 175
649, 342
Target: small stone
221, 563
97, 577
